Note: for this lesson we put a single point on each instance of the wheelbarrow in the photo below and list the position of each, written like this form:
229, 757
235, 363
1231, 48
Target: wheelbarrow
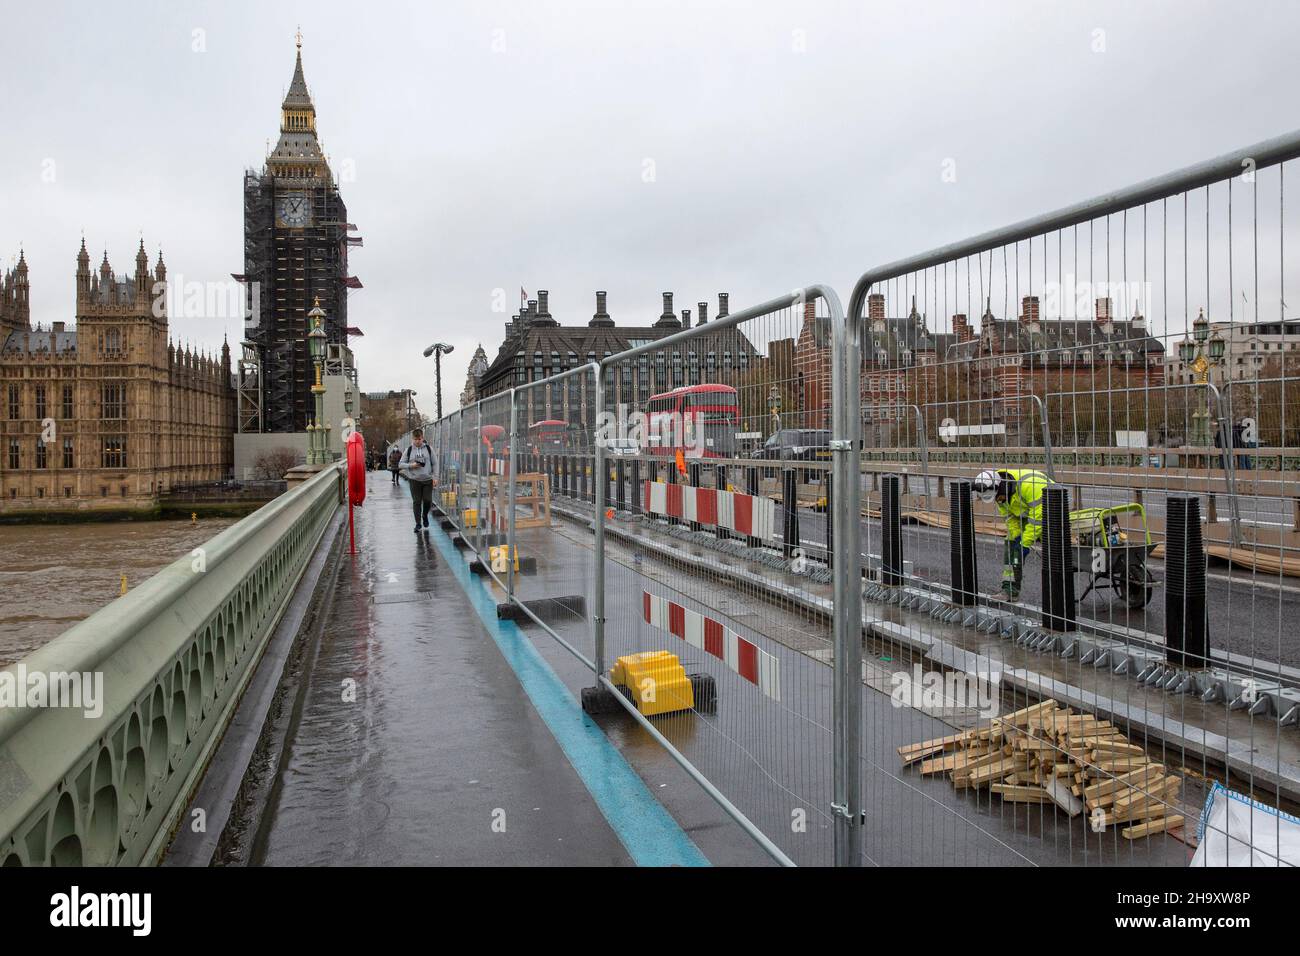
1106, 552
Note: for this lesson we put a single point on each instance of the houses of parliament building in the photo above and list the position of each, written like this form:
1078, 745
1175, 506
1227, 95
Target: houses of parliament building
109, 415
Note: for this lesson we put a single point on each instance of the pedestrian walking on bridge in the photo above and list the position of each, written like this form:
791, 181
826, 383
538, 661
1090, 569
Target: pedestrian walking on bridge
417, 465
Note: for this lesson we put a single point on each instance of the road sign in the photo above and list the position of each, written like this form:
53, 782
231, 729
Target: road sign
950, 431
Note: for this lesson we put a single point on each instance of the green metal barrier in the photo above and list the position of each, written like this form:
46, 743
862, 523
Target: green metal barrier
174, 655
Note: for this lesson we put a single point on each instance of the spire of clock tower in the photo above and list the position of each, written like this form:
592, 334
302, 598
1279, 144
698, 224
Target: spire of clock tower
298, 98
298, 154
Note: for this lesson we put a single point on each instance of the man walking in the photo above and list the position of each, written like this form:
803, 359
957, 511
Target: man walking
395, 462
417, 464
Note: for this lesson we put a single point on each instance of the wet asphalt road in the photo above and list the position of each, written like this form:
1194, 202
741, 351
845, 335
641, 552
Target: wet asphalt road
1248, 614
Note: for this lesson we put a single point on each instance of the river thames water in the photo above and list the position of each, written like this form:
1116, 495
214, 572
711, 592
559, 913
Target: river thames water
52, 576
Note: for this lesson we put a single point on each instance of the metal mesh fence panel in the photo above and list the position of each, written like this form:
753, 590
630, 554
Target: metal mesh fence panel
1132, 355
718, 445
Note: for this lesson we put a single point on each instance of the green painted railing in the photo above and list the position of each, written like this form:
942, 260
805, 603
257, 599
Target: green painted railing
174, 655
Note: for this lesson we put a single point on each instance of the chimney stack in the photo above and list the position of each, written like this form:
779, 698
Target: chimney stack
962, 327
876, 306
543, 304
701, 312
1103, 315
686, 318
601, 319
668, 318
724, 308
1029, 309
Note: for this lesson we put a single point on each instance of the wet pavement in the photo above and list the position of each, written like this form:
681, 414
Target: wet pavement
430, 734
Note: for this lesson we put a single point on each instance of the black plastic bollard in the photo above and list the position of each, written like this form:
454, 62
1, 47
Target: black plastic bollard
891, 531
1058, 561
719, 485
637, 490
1186, 643
961, 536
620, 486
672, 480
693, 477
751, 489
790, 508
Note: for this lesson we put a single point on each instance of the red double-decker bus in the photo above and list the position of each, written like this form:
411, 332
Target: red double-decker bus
698, 420
547, 437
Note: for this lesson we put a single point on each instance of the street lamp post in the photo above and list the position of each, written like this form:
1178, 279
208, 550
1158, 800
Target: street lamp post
774, 407
317, 433
1202, 354
438, 350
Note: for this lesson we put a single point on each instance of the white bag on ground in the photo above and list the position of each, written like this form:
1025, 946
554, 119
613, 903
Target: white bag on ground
1238, 831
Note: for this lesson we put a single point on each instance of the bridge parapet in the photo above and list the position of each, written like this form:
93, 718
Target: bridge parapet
159, 672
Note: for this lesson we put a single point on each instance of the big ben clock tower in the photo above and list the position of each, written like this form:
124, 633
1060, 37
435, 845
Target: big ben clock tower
295, 253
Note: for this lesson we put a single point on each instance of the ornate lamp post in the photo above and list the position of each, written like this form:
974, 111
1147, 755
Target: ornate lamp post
774, 406
1202, 355
318, 452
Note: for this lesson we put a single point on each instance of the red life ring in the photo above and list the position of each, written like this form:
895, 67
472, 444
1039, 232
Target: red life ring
356, 457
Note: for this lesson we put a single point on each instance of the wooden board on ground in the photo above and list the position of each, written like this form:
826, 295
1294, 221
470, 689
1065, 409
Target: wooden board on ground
1159, 825
1048, 754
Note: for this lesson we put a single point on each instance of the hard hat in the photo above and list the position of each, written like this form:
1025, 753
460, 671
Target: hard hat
985, 485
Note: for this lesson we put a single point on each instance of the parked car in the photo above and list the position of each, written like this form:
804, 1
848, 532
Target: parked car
621, 447
797, 444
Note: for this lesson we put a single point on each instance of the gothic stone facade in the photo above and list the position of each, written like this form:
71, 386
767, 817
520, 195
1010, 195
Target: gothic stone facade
106, 416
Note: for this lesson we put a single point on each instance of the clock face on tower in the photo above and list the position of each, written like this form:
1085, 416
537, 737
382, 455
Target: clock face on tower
293, 210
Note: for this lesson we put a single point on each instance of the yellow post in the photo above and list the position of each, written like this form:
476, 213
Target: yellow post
123, 582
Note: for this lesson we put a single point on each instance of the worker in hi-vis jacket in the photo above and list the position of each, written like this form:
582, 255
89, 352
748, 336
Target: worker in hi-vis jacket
1019, 496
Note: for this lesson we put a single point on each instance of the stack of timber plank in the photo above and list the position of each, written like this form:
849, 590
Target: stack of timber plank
1055, 755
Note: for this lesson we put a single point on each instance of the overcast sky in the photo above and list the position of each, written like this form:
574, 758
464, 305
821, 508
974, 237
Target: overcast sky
638, 147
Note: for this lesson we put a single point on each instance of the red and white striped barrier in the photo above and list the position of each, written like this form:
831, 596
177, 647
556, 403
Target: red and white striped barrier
713, 637
499, 466
744, 514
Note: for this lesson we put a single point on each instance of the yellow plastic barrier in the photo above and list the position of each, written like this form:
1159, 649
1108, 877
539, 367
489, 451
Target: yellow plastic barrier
499, 556
656, 680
